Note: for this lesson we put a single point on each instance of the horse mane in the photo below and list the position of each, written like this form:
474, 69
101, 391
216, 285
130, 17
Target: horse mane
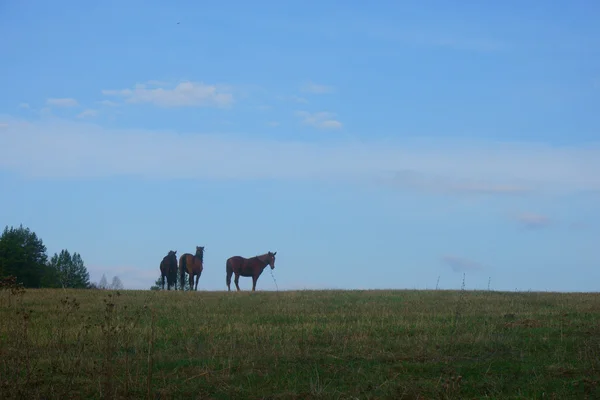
258, 257
201, 256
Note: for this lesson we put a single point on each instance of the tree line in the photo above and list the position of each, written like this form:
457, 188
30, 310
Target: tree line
23, 256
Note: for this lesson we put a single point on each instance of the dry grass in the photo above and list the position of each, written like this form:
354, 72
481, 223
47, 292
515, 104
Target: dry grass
305, 344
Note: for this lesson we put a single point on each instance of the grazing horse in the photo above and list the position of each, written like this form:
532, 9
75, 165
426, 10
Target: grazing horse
253, 267
193, 265
168, 268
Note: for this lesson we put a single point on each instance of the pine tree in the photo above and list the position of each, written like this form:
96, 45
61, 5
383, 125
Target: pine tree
23, 255
81, 274
157, 285
71, 270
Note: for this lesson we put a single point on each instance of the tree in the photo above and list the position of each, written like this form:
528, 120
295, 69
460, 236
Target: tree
71, 270
158, 284
23, 255
103, 284
116, 283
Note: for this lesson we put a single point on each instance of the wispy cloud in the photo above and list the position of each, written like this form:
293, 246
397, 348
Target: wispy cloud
24, 105
87, 113
62, 102
273, 123
83, 149
295, 99
462, 43
185, 94
461, 264
314, 88
108, 103
428, 38
321, 120
453, 185
533, 221
580, 225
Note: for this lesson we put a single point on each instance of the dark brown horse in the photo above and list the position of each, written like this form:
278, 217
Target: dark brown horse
168, 268
253, 267
193, 265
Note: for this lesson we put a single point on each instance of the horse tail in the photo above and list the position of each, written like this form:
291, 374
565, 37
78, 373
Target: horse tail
182, 269
229, 270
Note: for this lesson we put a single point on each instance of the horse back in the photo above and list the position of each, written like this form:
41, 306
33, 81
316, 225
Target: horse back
241, 265
183, 258
235, 262
168, 263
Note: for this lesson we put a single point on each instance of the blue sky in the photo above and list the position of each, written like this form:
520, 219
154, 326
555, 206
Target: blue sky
371, 146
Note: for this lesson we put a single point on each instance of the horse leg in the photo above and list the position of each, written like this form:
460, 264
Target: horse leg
191, 275
162, 277
228, 280
254, 279
198, 279
236, 281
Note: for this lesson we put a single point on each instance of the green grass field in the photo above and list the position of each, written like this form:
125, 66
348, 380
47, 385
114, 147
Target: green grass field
306, 344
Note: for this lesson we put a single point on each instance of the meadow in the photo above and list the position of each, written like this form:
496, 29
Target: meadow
400, 344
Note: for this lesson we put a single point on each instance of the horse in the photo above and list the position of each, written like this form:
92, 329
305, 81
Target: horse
247, 267
193, 265
168, 268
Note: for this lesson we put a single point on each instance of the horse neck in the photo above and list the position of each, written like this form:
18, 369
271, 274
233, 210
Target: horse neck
199, 256
262, 261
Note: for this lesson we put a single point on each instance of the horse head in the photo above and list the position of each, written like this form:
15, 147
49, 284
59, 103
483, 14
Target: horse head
271, 259
199, 251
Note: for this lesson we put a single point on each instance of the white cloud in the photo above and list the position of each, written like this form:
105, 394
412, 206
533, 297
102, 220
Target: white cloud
314, 88
185, 94
461, 264
57, 148
322, 120
273, 123
62, 102
24, 105
87, 113
3, 125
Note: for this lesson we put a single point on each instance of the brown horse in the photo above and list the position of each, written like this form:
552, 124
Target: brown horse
168, 268
253, 267
193, 265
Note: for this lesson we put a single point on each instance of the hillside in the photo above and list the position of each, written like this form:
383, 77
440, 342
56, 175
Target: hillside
303, 344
